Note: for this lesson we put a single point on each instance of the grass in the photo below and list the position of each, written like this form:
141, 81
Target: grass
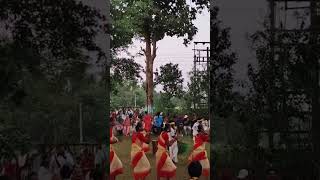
123, 149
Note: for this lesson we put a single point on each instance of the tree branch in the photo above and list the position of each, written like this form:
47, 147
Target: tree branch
143, 50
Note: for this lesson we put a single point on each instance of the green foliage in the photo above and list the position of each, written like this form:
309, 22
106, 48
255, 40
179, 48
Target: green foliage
155, 19
222, 59
170, 77
11, 140
124, 69
57, 29
43, 71
281, 87
125, 94
197, 92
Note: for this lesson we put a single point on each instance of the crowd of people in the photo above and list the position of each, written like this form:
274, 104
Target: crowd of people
167, 131
57, 163
126, 119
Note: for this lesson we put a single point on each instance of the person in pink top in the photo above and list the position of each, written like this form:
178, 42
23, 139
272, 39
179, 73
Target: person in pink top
147, 122
126, 126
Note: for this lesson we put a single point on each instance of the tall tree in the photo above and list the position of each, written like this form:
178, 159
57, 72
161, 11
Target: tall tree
222, 59
47, 45
56, 32
151, 21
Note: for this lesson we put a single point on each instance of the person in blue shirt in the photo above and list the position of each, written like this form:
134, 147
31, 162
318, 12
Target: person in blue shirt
158, 120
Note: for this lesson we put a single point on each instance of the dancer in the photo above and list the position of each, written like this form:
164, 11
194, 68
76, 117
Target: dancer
145, 146
199, 151
139, 162
147, 119
165, 166
126, 126
116, 167
173, 149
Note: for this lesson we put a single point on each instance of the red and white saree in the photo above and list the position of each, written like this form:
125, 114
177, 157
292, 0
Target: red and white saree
116, 166
145, 146
199, 153
165, 166
139, 162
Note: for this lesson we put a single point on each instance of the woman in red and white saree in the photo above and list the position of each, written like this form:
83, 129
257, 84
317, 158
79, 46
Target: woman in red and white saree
165, 166
139, 162
116, 167
126, 126
199, 152
145, 146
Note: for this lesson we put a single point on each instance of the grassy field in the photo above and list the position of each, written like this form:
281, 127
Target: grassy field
123, 149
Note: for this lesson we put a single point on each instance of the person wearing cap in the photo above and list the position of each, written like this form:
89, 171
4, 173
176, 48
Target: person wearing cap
194, 170
141, 167
199, 152
164, 164
173, 149
116, 167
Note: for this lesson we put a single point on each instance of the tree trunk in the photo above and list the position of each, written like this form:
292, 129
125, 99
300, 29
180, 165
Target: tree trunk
150, 53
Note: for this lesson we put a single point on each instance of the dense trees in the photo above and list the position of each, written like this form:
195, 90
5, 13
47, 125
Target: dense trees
46, 50
151, 21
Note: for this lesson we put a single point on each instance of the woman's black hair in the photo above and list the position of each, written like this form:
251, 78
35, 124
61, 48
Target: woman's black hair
139, 126
167, 127
200, 127
195, 169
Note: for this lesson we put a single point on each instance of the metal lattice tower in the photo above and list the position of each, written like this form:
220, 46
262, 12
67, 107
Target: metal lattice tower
280, 13
201, 59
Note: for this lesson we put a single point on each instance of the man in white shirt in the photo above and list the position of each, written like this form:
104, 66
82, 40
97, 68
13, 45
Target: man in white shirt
195, 129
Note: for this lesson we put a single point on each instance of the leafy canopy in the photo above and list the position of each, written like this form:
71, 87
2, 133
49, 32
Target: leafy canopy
170, 77
156, 19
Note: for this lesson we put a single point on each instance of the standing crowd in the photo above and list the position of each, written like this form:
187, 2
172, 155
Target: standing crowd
125, 121
168, 131
56, 163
